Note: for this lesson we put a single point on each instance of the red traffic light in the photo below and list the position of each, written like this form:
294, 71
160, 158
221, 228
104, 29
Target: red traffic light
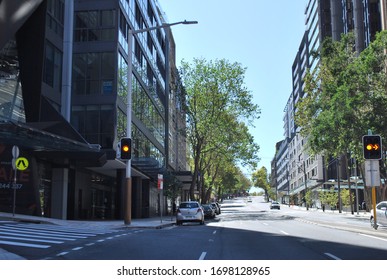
372, 147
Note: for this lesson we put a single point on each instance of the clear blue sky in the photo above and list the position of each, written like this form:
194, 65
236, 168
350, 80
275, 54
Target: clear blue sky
264, 36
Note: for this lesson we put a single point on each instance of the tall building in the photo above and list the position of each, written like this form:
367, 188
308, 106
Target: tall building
322, 19
63, 89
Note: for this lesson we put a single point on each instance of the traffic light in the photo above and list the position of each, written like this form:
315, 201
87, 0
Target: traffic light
126, 148
372, 147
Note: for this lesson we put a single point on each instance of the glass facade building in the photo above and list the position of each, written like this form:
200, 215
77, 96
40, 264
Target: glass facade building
323, 19
74, 173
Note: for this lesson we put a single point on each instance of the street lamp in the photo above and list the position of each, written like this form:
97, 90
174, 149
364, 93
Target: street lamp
128, 187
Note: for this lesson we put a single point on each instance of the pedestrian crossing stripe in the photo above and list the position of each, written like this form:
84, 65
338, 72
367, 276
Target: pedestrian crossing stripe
42, 236
30, 245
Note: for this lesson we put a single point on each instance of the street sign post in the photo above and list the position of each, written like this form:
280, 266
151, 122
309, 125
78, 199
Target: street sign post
372, 173
160, 186
372, 152
15, 155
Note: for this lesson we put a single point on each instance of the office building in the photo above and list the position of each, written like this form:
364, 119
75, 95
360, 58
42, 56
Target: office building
322, 19
63, 89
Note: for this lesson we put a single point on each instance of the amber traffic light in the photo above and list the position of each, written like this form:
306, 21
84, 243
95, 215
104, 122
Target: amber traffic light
372, 146
126, 148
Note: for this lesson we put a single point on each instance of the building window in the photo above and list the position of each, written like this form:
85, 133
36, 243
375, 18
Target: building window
94, 26
95, 123
147, 112
52, 71
93, 73
55, 16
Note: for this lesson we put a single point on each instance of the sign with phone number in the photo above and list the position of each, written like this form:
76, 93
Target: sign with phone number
10, 186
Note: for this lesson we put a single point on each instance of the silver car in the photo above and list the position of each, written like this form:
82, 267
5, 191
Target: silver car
381, 214
275, 205
190, 211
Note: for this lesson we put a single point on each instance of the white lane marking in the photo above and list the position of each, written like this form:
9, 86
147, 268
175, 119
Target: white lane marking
214, 232
77, 248
332, 256
370, 236
62, 254
202, 256
284, 232
265, 224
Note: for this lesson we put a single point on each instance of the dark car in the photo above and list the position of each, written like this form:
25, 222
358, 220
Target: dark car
209, 211
217, 207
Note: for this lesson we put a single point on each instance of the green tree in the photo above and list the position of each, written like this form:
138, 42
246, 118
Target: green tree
261, 180
218, 106
308, 198
324, 199
344, 97
332, 198
346, 198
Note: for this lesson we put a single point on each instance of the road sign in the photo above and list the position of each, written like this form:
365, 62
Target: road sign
372, 173
15, 152
160, 181
21, 163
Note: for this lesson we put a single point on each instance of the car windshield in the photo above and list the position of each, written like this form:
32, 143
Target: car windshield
189, 205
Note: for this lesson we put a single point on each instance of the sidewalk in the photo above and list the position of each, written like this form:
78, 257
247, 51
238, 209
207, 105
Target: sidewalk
151, 223
346, 212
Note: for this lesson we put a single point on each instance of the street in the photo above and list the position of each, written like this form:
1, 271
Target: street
243, 231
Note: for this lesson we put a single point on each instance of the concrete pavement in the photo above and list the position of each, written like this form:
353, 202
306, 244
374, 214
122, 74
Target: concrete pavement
154, 222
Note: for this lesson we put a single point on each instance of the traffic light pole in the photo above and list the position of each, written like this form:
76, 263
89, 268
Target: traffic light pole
375, 225
373, 177
128, 186
372, 151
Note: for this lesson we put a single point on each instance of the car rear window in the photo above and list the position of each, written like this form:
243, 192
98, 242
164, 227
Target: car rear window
189, 205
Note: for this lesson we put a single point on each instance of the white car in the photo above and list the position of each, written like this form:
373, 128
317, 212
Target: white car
275, 205
381, 214
190, 211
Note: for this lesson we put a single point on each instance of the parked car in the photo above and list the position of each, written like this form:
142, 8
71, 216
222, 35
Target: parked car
209, 211
217, 207
189, 211
275, 205
381, 214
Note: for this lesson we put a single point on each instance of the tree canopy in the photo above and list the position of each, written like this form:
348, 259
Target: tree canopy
219, 109
345, 96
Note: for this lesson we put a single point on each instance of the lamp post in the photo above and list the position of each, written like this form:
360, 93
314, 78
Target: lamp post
128, 186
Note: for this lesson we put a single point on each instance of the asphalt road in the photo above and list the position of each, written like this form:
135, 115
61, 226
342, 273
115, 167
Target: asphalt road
244, 231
